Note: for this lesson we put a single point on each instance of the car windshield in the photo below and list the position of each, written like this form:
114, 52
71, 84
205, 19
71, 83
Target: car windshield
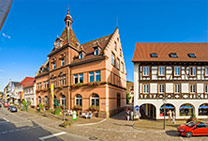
191, 123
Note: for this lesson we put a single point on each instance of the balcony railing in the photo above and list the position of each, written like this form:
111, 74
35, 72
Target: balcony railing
174, 96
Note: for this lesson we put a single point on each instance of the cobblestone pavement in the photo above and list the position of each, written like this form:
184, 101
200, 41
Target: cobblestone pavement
118, 129
121, 130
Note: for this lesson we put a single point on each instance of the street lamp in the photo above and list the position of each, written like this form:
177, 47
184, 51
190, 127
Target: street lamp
164, 103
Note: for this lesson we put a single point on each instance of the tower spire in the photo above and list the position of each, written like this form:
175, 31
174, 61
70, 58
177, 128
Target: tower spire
68, 24
68, 19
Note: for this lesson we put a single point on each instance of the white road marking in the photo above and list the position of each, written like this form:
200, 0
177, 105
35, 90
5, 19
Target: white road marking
51, 136
5, 119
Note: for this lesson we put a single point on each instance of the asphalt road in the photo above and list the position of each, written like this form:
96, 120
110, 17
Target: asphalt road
21, 127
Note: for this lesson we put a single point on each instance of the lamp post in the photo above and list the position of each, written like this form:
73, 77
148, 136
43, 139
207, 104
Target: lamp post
164, 103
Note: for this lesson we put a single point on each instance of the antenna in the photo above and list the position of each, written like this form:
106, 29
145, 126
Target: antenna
117, 21
68, 8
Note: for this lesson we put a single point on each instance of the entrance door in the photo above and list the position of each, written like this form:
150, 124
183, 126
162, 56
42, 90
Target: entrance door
118, 100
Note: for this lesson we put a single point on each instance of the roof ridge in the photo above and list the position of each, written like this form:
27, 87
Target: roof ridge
96, 39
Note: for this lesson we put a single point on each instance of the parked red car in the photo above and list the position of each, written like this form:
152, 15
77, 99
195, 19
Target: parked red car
6, 104
193, 128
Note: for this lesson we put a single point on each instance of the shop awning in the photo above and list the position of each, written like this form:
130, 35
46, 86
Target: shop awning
203, 107
167, 107
186, 107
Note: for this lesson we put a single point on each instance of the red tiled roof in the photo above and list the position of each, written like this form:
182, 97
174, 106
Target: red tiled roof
143, 50
72, 37
102, 42
27, 82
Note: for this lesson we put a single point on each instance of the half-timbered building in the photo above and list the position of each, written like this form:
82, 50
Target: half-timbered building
171, 76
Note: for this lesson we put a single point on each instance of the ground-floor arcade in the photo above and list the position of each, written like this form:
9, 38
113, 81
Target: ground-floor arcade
106, 99
183, 109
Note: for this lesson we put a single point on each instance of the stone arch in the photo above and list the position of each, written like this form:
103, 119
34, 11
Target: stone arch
78, 99
187, 109
148, 110
203, 109
94, 99
167, 106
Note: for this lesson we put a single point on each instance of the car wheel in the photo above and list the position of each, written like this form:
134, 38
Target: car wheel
189, 134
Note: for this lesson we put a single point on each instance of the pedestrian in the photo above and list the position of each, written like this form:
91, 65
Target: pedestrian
173, 116
169, 115
132, 115
128, 114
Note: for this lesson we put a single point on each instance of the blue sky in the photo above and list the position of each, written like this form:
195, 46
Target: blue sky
31, 28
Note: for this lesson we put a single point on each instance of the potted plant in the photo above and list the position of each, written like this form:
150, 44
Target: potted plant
94, 108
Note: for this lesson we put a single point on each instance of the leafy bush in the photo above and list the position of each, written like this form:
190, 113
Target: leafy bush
66, 124
57, 111
94, 108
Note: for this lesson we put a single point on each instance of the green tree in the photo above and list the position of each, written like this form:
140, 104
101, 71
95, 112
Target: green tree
128, 97
26, 104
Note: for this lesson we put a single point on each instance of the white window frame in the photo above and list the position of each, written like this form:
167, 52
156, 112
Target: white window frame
146, 89
177, 88
146, 70
79, 99
91, 75
94, 98
161, 71
54, 65
206, 71
62, 62
192, 71
96, 51
118, 63
76, 76
80, 77
81, 56
177, 71
122, 67
161, 88
97, 73
192, 89
113, 59
206, 88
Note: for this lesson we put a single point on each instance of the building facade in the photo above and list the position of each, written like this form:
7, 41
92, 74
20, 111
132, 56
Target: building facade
10, 92
130, 90
88, 75
29, 90
173, 76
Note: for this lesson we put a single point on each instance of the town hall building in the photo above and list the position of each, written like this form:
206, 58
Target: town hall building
85, 76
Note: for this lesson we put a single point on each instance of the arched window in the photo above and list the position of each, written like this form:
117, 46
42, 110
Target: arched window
167, 108
46, 100
63, 100
186, 110
203, 109
78, 100
94, 99
39, 100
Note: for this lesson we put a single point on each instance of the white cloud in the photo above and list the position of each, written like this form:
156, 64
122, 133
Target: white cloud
6, 36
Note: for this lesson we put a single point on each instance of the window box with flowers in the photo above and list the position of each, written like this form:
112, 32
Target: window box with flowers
38, 90
94, 108
94, 83
77, 85
77, 107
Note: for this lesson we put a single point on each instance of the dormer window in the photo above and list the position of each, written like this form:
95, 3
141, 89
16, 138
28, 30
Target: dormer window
54, 65
58, 43
192, 55
173, 55
62, 62
96, 51
153, 55
81, 55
